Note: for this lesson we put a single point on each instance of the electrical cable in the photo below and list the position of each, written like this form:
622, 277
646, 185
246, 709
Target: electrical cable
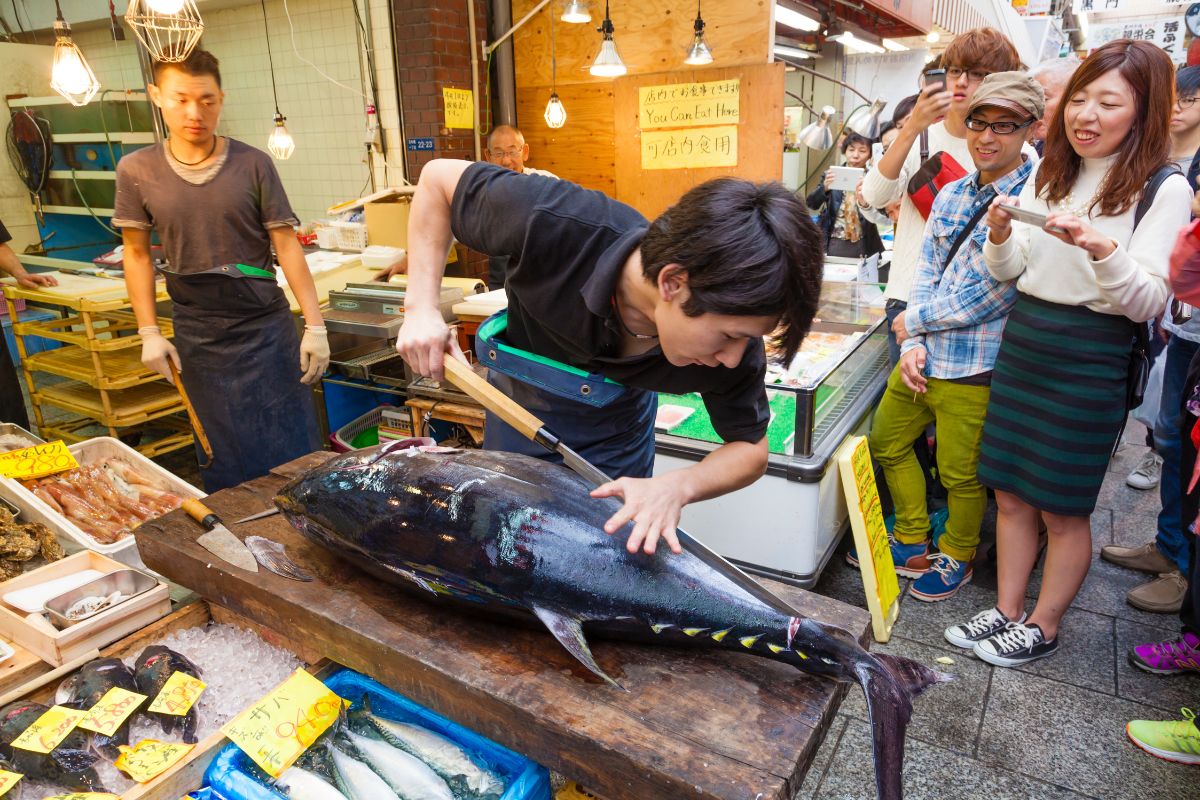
292, 29
17, 17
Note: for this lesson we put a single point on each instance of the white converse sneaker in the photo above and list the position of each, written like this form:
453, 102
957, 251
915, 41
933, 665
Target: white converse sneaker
1147, 473
1017, 644
979, 627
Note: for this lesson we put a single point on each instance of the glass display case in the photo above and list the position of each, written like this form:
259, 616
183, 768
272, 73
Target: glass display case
786, 525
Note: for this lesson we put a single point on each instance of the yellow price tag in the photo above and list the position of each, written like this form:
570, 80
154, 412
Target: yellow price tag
178, 694
150, 758
8, 780
111, 710
37, 461
277, 729
83, 796
49, 729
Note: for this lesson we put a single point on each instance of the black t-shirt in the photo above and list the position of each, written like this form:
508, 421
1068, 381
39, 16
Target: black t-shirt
568, 247
4, 235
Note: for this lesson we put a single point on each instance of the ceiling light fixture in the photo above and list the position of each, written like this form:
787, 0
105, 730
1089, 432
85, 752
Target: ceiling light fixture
852, 42
894, 46
794, 19
280, 142
792, 52
556, 113
817, 134
932, 37
699, 53
576, 12
71, 75
608, 63
168, 29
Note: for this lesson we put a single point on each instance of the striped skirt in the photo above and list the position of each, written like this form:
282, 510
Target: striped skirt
1057, 404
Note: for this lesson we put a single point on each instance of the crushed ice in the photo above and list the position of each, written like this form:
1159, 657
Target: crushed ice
238, 667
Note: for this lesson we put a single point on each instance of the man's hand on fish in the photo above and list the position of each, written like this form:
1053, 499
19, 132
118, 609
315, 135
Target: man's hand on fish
424, 340
652, 504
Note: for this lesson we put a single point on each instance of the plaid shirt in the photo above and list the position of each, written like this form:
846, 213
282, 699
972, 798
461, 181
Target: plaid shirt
957, 311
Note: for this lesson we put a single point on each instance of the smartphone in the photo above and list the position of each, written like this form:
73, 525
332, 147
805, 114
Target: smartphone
1030, 218
933, 76
846, 178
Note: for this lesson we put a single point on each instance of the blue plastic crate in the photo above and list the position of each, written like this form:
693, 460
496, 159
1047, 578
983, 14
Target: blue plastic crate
33, 344
234, 776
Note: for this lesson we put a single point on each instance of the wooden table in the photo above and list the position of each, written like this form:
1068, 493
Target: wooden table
694, 724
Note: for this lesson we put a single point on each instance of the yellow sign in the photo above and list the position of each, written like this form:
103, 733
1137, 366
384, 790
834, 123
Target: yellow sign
697, 148
178, 694
150, 758
689, 105
870, 536
111, 710
49, 729
37, 461
276, 730
8, 780
460, 108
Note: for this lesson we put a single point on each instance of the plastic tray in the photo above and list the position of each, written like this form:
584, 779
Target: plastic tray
234, 776
360, 432
72, 537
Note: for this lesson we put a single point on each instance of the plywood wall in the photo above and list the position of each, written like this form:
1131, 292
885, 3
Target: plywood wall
593, 149
760, 135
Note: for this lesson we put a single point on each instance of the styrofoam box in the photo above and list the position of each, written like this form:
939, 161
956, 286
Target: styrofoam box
73, 539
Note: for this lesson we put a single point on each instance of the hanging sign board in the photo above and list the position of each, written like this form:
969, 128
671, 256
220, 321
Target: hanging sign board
460, 108
694, 148
870, 536
1166, 32
689, 105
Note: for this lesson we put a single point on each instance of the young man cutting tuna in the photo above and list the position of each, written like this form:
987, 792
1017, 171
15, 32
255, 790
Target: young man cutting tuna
677, 305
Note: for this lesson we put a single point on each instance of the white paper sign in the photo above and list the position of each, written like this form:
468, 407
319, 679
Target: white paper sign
1084, 6
1166, 32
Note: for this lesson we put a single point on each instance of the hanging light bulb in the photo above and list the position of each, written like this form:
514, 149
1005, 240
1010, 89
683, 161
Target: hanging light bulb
168, 29
576, 11
70, 75
699, 53
281, 144
608, 63
556, 112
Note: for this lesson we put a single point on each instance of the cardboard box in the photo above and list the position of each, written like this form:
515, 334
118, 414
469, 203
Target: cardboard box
387, 221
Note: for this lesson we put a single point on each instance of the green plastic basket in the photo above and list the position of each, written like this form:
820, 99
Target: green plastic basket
361, 432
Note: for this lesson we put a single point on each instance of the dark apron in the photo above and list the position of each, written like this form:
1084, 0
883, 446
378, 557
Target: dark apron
612, 426
12, 402
237, 341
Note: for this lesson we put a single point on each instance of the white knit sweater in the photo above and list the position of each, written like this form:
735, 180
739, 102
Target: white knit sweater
1131, 281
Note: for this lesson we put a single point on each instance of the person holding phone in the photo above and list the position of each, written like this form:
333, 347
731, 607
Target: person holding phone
1061, 381
938, 118
848, 234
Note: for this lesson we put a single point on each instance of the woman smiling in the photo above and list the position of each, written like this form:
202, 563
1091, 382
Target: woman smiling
1085, 280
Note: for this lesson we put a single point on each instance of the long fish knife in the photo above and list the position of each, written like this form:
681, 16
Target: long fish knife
529, 426
219, 540
270, 512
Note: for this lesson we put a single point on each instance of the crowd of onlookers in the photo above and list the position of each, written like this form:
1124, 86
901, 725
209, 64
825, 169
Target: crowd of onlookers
1043, 268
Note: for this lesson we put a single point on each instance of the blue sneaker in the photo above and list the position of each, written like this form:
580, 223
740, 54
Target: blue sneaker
944, 577
937, 523
911, 560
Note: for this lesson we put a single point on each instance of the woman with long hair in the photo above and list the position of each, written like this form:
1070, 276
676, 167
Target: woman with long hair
1085, 280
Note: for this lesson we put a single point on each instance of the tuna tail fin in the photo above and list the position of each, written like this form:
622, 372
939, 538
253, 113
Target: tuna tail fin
569, 632
890, 684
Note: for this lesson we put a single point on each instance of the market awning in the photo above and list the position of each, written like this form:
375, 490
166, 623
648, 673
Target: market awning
957, 16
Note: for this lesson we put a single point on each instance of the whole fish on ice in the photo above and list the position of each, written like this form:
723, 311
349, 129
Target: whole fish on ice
523, 535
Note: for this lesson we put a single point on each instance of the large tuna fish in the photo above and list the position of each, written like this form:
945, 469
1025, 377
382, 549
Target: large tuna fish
523, 535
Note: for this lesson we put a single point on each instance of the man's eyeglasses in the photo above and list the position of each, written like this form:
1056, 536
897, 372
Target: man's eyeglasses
973, 75
1186, 102
511, 153
999, 128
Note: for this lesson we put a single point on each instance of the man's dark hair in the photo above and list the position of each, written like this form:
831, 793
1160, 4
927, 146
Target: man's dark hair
199, 62
855, 138
884, 128
748, 249
1187, 82
905, 107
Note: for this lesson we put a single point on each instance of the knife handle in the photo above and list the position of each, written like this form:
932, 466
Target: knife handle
491, 398
201, 513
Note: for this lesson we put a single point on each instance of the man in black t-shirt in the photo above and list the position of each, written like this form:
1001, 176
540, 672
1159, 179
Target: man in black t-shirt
12, 402
678, 305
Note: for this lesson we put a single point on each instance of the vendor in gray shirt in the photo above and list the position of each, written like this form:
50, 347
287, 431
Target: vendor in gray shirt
219, 207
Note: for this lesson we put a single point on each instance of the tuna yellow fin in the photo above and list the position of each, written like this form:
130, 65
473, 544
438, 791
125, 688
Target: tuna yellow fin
774, 648
694, 631
569, 632
719, 635
748, 641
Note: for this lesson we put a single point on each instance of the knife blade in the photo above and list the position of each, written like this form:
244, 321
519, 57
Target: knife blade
219, 540
269, 512
465, 378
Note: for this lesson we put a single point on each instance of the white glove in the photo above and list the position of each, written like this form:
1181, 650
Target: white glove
156, 349
314, 354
